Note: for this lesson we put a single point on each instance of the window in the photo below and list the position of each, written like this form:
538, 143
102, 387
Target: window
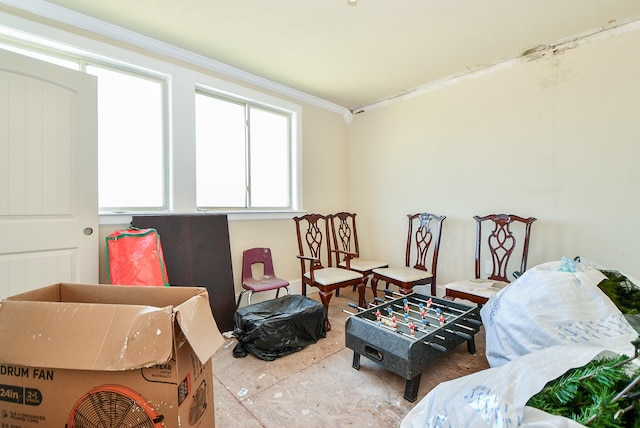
243, 154
131, 142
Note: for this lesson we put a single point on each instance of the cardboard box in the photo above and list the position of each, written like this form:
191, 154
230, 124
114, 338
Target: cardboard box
80, 355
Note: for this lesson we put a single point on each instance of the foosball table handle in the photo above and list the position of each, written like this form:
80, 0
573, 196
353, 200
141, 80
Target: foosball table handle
473, 321
436, 346
465, 336
354, 306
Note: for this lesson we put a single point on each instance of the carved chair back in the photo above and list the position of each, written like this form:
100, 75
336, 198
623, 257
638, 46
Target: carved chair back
425, 230
501, 243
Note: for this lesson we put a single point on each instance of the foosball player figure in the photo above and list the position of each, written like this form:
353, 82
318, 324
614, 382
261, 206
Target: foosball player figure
394, 323
440, 316
412, 328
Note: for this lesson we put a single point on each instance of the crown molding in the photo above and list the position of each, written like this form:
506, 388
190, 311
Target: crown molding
84, 22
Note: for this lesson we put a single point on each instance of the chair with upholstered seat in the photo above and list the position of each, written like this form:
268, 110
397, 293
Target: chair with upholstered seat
500, 244
345, 237
255, 280
315, 255
423, 242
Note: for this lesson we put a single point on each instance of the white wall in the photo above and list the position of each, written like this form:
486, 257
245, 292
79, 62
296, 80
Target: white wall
557, 139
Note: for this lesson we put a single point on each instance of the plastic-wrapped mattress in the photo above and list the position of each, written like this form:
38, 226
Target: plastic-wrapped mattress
551, 305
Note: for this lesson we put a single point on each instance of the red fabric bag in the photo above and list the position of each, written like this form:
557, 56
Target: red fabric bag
135, 257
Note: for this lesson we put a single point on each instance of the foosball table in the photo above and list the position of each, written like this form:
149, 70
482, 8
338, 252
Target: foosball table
406, 334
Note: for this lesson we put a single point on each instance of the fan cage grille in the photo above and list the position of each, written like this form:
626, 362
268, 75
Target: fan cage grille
113, 406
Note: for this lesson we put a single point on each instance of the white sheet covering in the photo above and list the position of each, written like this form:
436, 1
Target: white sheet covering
547, 307
497, 397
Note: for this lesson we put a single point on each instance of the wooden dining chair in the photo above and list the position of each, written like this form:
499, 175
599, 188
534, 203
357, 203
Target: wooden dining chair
344, 235
501, 244
421, 256
315, 255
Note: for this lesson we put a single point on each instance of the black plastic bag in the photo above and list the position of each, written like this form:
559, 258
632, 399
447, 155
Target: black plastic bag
278, 327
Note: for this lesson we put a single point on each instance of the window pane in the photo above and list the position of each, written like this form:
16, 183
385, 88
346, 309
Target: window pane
130, 140
220, 153
269, 148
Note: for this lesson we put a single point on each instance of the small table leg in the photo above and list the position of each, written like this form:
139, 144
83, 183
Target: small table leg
471, 345
356, 361
411, 388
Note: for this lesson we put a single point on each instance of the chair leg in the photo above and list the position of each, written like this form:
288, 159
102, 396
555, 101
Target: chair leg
447, 296
361, 299
366, 280
249, 298
374, 288
240, 298
405, 291
325, 298
434, 289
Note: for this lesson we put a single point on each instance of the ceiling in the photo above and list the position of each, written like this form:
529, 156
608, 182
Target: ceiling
356, 56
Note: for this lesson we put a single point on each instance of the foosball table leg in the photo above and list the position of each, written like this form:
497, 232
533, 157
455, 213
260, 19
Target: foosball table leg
411, 388
471, 345
356, 361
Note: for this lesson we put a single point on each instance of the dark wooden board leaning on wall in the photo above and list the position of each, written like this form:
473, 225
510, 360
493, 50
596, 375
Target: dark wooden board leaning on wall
197, 253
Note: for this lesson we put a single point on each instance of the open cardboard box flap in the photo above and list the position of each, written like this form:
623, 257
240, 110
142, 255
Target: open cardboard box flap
199, 327
102, 327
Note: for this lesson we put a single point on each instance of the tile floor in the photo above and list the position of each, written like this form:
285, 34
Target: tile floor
317, 386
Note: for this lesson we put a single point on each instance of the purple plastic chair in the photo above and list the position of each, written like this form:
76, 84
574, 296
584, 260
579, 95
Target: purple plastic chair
268, 281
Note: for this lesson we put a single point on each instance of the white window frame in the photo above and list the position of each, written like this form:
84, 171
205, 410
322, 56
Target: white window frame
294, 112
164, 84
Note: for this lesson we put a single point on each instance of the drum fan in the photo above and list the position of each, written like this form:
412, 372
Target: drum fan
111, 406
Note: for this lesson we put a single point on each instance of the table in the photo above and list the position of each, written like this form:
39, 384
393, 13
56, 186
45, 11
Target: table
408, 333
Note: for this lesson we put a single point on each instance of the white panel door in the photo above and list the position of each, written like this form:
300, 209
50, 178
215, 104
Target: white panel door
48, 175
